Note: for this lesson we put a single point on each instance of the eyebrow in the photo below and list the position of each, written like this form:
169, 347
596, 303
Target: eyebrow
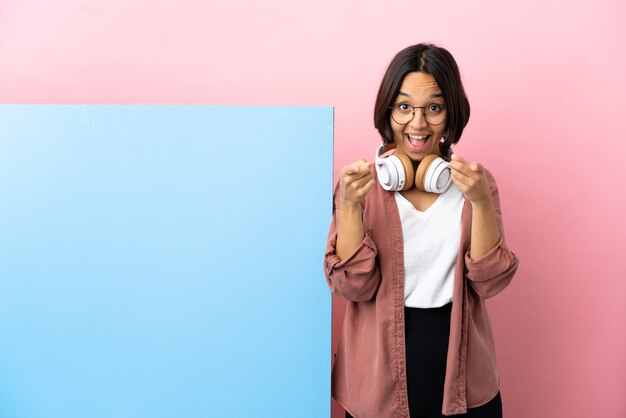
432, 96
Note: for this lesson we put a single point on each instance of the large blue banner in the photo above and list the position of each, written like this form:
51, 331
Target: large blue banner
164, 261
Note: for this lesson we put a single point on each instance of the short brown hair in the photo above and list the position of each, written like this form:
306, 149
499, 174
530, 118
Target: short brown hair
433, 60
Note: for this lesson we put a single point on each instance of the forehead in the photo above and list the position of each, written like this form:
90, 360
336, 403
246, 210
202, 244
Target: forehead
419, 84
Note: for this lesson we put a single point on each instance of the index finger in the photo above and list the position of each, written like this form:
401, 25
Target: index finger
457, 157
361, 166
473, 166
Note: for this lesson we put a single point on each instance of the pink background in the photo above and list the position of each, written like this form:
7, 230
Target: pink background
548, 92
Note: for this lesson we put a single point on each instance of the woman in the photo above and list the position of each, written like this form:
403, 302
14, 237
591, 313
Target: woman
416, 266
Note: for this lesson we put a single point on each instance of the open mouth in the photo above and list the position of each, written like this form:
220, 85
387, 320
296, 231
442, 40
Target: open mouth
416, 143
417, 140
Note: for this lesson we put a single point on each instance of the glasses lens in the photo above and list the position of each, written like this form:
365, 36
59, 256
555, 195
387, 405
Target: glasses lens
401, 116
436, 118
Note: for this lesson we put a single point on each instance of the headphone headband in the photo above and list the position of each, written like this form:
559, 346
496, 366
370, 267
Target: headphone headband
382, 149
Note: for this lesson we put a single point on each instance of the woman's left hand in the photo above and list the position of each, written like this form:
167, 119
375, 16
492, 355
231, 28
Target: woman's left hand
471, 179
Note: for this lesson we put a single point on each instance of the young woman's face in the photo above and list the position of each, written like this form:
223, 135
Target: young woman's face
418, 138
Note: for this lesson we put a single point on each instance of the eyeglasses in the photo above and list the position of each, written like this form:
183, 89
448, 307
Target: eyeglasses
403, 113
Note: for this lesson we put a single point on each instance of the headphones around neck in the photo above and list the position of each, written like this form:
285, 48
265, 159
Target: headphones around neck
395, 172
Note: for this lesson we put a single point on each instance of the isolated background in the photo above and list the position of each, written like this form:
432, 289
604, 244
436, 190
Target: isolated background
547, 87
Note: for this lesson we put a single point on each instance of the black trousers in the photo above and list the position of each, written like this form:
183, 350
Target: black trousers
427, 334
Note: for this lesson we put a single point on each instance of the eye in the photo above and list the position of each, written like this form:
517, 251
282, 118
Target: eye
404, 107
434, 108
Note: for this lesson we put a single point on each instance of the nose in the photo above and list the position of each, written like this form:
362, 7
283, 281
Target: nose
418, 121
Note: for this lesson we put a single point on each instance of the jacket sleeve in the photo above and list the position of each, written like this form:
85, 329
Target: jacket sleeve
355, 278
492, 273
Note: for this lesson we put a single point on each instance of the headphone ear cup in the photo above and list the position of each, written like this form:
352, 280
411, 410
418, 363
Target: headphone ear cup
395, 172
409, 173
438, 176
433, 174
390, 173
422, 169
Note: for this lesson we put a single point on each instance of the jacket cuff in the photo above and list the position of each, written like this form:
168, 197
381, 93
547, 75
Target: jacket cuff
496, 261
358, 262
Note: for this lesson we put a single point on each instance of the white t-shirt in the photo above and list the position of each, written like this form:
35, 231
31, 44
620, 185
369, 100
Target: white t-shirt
431, 248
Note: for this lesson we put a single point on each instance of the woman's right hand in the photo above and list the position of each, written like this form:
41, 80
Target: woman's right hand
355, 181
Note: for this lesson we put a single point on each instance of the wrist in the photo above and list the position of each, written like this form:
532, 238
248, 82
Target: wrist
350, 205
484, 204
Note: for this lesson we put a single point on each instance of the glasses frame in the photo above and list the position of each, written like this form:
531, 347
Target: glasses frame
423, 113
